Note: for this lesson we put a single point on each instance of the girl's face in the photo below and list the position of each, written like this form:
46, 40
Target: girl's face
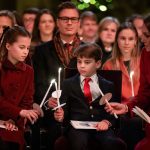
126, 41
46, 24
108, 33
145, 37
18, 51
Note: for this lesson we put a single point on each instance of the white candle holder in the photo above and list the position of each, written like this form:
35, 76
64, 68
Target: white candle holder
104, 100
39, 107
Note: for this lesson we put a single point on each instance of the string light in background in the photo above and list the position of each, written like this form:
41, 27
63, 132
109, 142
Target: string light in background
83, 4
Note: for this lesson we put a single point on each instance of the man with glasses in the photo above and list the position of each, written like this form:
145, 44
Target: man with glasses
49, 56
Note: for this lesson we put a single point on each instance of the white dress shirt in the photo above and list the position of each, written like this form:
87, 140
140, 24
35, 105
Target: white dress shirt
94, 85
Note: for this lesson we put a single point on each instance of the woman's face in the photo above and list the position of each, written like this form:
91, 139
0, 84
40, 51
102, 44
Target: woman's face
127, 41
46, 24
108, 33
145, 37
4, 22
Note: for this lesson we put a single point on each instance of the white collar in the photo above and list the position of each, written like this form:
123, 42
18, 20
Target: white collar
94, 77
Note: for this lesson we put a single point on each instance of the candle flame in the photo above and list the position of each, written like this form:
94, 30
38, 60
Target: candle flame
60, 69
52, 81
131, 74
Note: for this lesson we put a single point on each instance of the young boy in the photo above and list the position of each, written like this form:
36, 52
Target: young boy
82, 102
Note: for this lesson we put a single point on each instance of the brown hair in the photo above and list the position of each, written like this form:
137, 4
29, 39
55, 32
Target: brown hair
89, 50
66, 5
10, 35
107, 20
147, 22
36, 33
116, 54
88, 15
8, 14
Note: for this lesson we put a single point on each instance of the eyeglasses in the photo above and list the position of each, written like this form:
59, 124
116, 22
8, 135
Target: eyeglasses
66, 19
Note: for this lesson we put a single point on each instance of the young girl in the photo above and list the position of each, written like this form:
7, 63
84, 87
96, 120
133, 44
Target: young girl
16, 86
126, 57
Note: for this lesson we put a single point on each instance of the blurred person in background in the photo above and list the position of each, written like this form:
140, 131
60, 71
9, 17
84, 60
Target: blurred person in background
6, 19
44, 28
28, 18
106, 35
88, 27
18, 18
138, 21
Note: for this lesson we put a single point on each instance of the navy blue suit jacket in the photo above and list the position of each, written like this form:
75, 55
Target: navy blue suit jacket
77, 107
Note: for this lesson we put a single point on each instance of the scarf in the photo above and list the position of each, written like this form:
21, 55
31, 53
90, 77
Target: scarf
64, 55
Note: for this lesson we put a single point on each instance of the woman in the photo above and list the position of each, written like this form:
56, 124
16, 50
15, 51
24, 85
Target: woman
126, 57
143, 96
106, 31
44, 27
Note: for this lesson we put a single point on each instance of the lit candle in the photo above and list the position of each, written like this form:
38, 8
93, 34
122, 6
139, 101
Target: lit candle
52, 81
131, 80
59, 71
58, 103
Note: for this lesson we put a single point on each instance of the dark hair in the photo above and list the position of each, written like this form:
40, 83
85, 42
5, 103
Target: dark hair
116, 54
36, 33
88, 15
147, 21
66, 5
133, 17
18, 18
10, 35
8, 14
126, 25
89, 50
31, 10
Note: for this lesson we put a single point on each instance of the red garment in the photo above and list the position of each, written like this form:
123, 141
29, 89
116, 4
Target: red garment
16, 93
86, 89
143, 98
126, 83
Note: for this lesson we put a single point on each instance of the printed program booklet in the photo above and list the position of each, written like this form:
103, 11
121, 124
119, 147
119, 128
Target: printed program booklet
83, 124
141, 114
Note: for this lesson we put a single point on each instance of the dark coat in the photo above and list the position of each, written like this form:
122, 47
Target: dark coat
77, 107
46, 63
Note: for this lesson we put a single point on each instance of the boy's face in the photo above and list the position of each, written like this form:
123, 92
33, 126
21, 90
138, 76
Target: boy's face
87, 66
